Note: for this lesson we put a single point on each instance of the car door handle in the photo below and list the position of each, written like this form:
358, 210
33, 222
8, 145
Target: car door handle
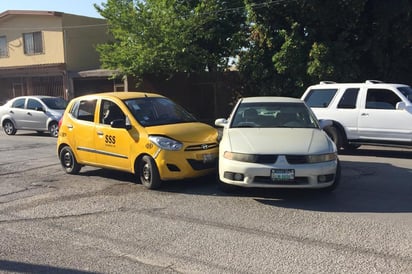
69, 126
365, 114
100, 133
29, 113
12, 112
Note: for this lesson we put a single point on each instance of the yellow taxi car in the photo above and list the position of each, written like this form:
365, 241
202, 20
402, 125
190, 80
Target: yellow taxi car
145, 134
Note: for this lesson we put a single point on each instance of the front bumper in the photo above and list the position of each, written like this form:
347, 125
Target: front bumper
259, 175
177, 165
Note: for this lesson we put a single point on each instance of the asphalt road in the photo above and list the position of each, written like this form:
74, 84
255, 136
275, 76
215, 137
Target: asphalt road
102, 222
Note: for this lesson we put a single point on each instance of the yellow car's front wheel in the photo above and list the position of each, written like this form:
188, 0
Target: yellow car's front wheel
149, 173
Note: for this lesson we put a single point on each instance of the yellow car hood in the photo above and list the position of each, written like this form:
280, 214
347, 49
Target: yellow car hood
186, 132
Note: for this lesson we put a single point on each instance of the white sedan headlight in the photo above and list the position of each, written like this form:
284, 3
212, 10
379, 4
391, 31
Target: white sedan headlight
322, 158
241, 157
165, 143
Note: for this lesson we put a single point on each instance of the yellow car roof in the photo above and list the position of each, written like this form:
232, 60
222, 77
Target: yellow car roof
122, 95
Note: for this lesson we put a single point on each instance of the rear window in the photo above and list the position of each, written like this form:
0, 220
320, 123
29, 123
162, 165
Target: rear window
320, 98
55, 103
84, 110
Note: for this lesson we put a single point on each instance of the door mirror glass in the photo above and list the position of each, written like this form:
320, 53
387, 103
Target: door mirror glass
400, 105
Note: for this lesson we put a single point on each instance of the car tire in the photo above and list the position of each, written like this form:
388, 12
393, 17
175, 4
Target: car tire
336, 182
68, 161
148, 173
227, 188
9, 127
336, 135
54, 129
351, 147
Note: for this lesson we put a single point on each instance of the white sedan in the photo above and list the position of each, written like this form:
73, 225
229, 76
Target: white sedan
276, 142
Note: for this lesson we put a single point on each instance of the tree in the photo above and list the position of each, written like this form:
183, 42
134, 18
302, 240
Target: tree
168, 36
301, 42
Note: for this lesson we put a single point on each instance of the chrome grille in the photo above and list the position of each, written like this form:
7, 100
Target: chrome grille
296, 159
200, 165
201, 147
266, 159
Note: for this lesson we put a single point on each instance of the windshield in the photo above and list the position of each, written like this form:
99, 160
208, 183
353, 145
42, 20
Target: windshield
151, 111
407, 92
274, 115
55, 103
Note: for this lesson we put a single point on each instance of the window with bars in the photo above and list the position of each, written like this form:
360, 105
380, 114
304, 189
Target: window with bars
3, 47
33, 43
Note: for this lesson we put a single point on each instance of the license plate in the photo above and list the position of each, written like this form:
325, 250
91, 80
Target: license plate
208, 158
282, 174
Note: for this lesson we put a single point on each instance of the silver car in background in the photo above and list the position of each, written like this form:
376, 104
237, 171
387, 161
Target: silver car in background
38, 113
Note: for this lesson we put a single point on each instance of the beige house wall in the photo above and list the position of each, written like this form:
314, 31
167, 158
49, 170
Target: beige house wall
69, 49
82, 35
16, 26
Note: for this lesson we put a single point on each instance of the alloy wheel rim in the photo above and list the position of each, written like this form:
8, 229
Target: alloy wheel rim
8, 127
146, 172
67, 160
54, 130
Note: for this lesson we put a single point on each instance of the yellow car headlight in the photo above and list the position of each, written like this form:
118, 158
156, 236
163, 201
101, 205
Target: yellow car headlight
165, 143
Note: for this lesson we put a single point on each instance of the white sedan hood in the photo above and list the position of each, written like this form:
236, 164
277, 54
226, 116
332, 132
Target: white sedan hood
279, 141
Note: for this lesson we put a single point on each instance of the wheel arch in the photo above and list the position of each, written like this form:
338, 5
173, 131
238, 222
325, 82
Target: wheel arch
59, 148
7, 118
341, 128
62, 145
50, 121
337, 134
137, 161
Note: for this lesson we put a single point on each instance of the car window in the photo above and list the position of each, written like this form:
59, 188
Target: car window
349, 98
109, 112
381, 99
271, 115
55, 103
407, 92
84, 110
34, 104
19, 103
151, 111
320, 98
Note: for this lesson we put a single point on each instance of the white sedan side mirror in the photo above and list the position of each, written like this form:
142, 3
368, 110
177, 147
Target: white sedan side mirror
400, 105
221, 122
325, 123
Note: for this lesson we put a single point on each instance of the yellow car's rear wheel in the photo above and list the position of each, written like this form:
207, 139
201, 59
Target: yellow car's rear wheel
68, 161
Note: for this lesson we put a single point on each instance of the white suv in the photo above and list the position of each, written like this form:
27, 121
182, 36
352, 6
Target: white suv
373, 112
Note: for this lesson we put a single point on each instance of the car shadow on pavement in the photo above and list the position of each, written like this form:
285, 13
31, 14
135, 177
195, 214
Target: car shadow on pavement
364, 187
109, 174
31, 133
370, 151
21, 267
